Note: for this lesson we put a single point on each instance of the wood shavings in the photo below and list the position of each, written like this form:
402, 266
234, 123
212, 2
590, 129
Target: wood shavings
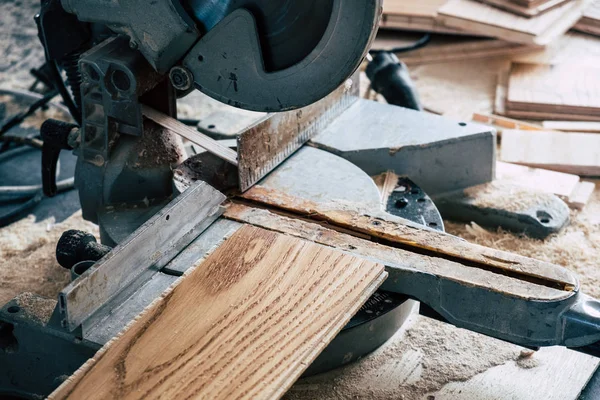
506, 196
27, 259
576, 248
414, 363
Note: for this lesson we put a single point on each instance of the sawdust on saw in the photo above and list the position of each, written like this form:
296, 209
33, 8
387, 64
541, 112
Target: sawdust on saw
415, 362
27, 256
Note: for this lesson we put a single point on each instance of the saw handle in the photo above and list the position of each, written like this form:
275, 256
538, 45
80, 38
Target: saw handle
55, 135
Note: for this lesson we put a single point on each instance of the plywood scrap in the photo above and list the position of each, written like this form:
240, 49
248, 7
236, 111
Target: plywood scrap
472, 16
530, 10
564, 91
590, 23
573, 153
245, 323
567, 187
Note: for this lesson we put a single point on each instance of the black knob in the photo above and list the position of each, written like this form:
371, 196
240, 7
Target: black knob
55, 135
75, 246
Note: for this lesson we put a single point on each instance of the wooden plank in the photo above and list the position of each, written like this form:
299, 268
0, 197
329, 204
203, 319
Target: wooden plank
573, 153
572, 126
245, 323
191, 134
558, 89
475, 17
566, 186
525, 11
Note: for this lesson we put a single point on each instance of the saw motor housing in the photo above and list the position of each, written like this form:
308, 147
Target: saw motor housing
124, 54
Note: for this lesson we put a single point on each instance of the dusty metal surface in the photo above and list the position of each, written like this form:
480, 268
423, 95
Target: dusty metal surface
264, 146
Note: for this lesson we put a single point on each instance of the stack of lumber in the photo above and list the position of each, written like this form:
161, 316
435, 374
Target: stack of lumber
590, 23
555, 92
535, 22
478, 18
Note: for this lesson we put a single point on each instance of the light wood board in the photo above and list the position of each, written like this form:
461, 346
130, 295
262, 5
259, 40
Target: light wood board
568, 187
245, 323
573, 153
554, 89
502, 123
525, 11
472, 16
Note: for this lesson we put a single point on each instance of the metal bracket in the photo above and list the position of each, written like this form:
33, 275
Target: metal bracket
135, 261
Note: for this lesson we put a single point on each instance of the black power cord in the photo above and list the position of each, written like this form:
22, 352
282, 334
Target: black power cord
390, 78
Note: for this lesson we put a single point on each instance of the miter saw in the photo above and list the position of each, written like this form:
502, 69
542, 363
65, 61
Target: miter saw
304, 169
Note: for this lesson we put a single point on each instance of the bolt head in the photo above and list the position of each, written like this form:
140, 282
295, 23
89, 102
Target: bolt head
181, 78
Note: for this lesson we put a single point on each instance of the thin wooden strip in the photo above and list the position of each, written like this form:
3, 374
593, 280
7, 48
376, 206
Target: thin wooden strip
504, 123
245, 323
211, 145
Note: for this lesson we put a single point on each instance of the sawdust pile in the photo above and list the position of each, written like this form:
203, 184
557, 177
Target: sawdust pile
27, 260
507, 196
414, 363
576, 248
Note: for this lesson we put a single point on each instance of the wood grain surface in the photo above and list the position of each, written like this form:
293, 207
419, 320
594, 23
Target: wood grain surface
475, 17
573, 153
245, 323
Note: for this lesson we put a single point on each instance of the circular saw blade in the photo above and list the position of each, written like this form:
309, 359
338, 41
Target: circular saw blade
290, 54
288, 30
